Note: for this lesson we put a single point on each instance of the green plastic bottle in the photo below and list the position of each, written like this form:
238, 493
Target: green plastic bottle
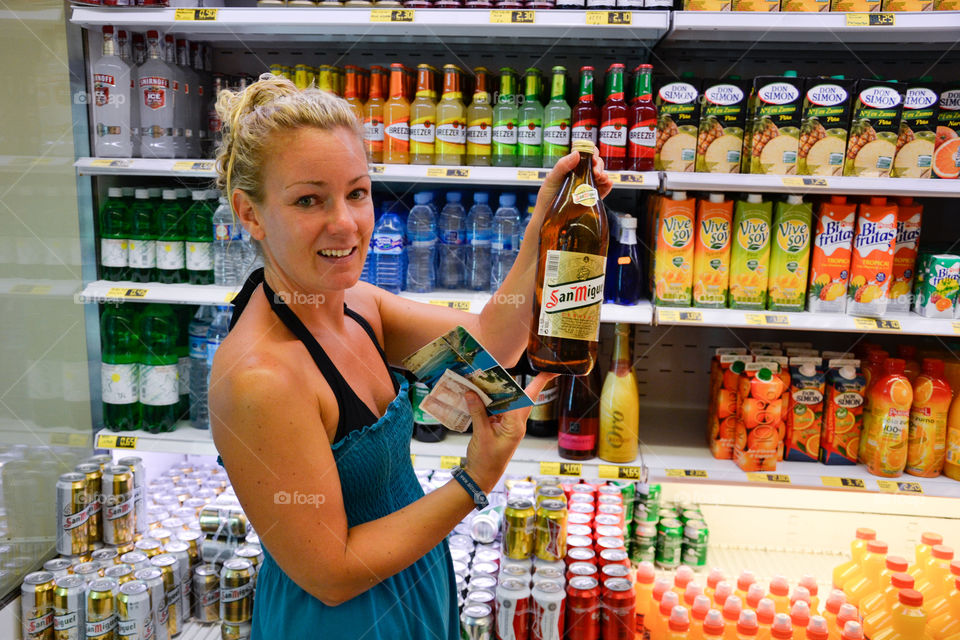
119, 366
114, 236
159, 388
171, 267
142, 246
530, 133
556, 120
198, 235
506, 118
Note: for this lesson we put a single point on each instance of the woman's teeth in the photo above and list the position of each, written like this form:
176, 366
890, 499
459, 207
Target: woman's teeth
335, 253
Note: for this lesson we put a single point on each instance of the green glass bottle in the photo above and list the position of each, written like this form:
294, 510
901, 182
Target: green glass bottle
556, 119
119, 365
185, 314
530, 133
142, 246
506, 118
114, 235
159, 389
198, 235
170, 253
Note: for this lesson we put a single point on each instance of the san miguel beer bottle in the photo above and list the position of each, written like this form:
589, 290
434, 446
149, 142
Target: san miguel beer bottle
570, 273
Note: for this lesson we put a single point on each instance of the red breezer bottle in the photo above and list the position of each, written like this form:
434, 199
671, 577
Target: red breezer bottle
586, 114
613, 122
642, 139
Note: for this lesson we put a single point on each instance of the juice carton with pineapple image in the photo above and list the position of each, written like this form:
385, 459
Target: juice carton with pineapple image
843, 412
938, 286
711, 259
790, 255
750, 253
805, 416
673, 267
872, 264
760, 414
909, 214
832, 250
725, 371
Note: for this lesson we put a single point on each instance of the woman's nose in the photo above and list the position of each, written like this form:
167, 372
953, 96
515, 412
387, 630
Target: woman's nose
343, 220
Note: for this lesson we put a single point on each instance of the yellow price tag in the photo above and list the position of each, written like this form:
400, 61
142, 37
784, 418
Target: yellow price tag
876, 324
800, 181
777, 320
870, 19
895, 486
195, 14
843, 483
616, 472
122, 292
413, 459
31, 289
630, 178
449, 462
956, 327
686, 473
70, 439
561, 469
229, 297
527, 174
110, 162
675, 315
391, 15
190, 165
110, 441
376, 169
459, 305
512, 16
769, 478
440, 172
609, 18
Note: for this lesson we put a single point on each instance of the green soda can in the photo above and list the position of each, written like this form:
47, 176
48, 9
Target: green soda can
696, 537
628, 490
669, 543
643, 545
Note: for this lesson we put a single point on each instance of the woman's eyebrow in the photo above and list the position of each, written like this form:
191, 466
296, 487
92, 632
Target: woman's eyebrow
319, 183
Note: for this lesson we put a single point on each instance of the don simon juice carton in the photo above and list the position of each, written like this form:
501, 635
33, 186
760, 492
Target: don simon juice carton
805, 415
874, 129
842, 412
825, 126
918, 130
673, 265
758, 435
872, 265
790, 255
831, 254
678, 109
725, 370
927, 442
711, 254
723, 114
886, 421
776, 112
750, 254
946, 153
909, 215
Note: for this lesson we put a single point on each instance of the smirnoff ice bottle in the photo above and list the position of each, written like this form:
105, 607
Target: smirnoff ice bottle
126, 54
111, 104
156, 97
200, 99
180, 107
191, 88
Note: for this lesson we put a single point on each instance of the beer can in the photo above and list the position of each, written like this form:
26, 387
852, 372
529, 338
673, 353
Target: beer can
172, 523
487, 556
168, 565
479, 596
609, 542
485, 526
255, 556
116, 486
551, 574
483, 582
58, 567
134, 612
461, 569
223, 520
578, 541
476, 622
583, 609
89, 571
669, 543
484, 568
122, 573
36, 605
236, 591
551, 538
149, 546
100, 459
518, 528
580, 554
235, 631
181, 551
549, 492
583, 498
608, 489
192, 540
610, 498
521, 489
619, 610
136, 467
548, 611
217, 552
101, 615
575, 569
696, 537
161, 535
613, 509
69, 608
643, 547
153, 578
136, 559
690, 514
513, 609
606, 520
613, 556
206, 594
195, 504
514, 571
73, 535
106, 557
584, 488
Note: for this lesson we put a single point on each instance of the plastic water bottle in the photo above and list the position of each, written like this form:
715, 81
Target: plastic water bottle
388, 251
215, 335
422, 245
452, 230
506, 239
227, 246
479, 232
198, 366
248, 255
525, 218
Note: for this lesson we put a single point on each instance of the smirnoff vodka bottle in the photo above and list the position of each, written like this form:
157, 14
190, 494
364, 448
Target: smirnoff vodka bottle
155, 95
191, 92
180, 107
126, 54
111, 104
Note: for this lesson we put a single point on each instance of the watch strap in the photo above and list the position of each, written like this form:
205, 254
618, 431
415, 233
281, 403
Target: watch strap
470, 486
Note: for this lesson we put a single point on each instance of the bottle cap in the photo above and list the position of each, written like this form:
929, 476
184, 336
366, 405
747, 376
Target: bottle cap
508, 199
745, 580
755, 594
896, 564
818, 629
723, 591
108, 29
154, 191
481, 197
153, 34
691, 592
877, 546
794, 199
894, 365
836, 599
779, 586
955, 567
943, 552
907, 351
847, 612
782, 628
766, 610
911, 598
754, 198
714, 623
716, 575
668, 602
900, 580
660, 587
852, 631
838, 199
198, 194
732, 608
183, 193
747, 624
645, 573
800, 614
933, 366
169, 194
679, 619
678, 195
701, 605
115, 192
683, 576
800, 592
454, 196
931, 539
878, 201
142, 194
583, 146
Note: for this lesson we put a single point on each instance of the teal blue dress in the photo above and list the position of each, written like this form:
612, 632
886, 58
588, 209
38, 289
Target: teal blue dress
376, 479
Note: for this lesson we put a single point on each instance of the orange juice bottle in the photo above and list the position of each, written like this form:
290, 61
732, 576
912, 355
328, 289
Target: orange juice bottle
660, 587
711, 257
713, 578
714, 626
941, 604
643, 590
731, 615
909, 620
673, 267
927, 441
882, 618
780, 594
847, 613
911, 368
808, 582
852, 631
690, 593
782, 628
868, 579
924, 551
800, 616
817, 629
744, 581
844, 571
723, 591
947, 624
830, 258
681, 578
951, 464
801, 593
887, 421
831, 608
766, 611
678, 626
755, 594
933, 584
874, 602
660, 627
396, 119
905, 254
872, 264
872, 371
747, 625
698, 613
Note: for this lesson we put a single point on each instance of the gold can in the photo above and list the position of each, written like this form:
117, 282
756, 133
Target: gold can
119, 519
550, 492
192, 538
120, 572
92, 473
134, 612
222, 520
551, 537
236, 591
171, 589
36, 605
232, 631
73, 518
69, 595
149, 546
276, 69
518, 533
101, 615
206, 593
300, 76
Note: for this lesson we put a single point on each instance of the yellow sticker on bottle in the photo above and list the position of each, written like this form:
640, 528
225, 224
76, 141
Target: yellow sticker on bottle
586, 195
572, 295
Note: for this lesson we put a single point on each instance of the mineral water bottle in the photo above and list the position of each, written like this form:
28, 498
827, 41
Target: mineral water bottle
159, 387
422, 245
388, 251
525, 218
452, 230
114, 235
227, 247
215, 335
249, 256
505, 241
119, 367
198, 328
479, 231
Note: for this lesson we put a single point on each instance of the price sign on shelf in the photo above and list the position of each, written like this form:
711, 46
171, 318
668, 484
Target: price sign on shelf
561, 469
800, 181
529, 174
876, 324
769, 478
440, 172
376, 169
687, 473
70, 439
871, 19
512, 16
31, 289
616, 472
123, 292
768, 319
675, 315
956, 327
195, 14
843, 483
449, 462
459, 305
111, 162
616, 18
110, 441
391, 15
896, 486
190, 165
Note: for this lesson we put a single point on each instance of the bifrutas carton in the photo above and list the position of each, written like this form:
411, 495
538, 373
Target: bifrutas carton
756, 5
678, 116
909, 214
938, 285
907, 5
825, 126
707, 5
874, 129
805, 416
918, 130
842, 413
831, 253
723, 114
872, 265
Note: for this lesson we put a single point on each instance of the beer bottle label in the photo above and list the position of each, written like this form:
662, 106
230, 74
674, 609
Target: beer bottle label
613, 138
530, 134
572, 294
586, 195
505, 134
142, 254
557, 134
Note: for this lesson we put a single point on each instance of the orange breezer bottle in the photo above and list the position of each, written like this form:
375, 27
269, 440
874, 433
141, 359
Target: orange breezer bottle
817, 629
951, 467
396, 119
941, 604
872, 371
714, 626
852, 631
831, 608
923, 552
869, 580
743, 584
747, 626
643, 591
731, 615
947, 624
780, 594
714, 577
678, 626
934, 583
883, 617
755, 594
698, 613
858, 547
909, 620
782, 628
373, 117
766, 611
351, 92
927, 441
873, 602
810, 584
886, 421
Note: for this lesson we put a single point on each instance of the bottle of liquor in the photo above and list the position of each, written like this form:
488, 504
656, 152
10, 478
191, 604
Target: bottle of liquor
506, 118
155, 99
619, 404
642, 139
451, 144
530, 132
351, 92
480, 122
114, 235
423, 117
118, 368
396, 118
586, 113
542, 421
372, 116
579, 416
190, 87
556, 120
570, 272
111, 105
624, 273
613, 122
159, 390
180, 107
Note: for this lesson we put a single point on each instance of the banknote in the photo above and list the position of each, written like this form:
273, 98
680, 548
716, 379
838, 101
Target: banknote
447, 401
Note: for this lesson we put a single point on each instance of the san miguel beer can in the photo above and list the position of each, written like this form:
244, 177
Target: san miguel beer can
583, 608
206, 594
476, 622
118, 515
565, 329
171, 590
69, 608
36, 606
136, 559
59, 567
192, 540
122, 573
236, 591
223, 520
89, 571
551, 539
139, 491
101, 614
106, 558
235, 631
519, 519
181, 551
255, 556
134, 612
73, 536
149, 546
153, 578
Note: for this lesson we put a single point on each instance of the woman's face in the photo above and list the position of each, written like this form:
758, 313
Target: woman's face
317, 213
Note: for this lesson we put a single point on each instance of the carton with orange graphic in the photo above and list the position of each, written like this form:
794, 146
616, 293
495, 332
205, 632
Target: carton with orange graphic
760, 412
790, 255
725, 371
673, 265
711, 258
750, 255
905, 254
872, 265
805, 416
830, 260
927, 442
842, 413
938, 285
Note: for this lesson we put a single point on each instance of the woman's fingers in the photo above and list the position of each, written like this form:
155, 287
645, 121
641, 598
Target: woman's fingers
478, 413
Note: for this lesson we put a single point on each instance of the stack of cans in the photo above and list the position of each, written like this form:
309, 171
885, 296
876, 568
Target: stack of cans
667, 535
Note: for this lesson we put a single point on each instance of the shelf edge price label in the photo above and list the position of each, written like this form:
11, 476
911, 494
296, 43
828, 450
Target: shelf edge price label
449, 462
413, 459
123, 292
376, 169
686, 473
771, 319
459, 305
110, 441
531, 174
440, 172
616, 472
615, 18
230, 296
561, 469
896, 486
769, 478
956, 326
512, 16
675, 315
70, 439
190, 165
110, 162
843, 483
31, 289
800, 181
195, 14
391, 15
874, 324
870, 20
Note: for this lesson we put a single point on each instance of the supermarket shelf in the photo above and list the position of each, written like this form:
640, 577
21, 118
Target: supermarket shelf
895, 323
316, 24
807, 185
184, 439
197, 631
32, 287
30, 433
162, 167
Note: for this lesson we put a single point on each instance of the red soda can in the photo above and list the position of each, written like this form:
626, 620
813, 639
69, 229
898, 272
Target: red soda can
576, 517
612, 509
581, 554
606, 520
582, 498
614, 571
613, 556
581, 569
578, 530
578, 541
548, 611
583, 609
609, 490
513, 610
609, 542
618, 605
585, 508
610, 499
584, 487
607, 530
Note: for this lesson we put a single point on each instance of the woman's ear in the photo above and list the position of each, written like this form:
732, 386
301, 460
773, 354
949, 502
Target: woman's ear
248, 214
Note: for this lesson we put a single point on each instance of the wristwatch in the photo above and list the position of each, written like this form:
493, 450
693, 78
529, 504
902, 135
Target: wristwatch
479, 497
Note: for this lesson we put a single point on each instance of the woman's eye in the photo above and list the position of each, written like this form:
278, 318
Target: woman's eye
358, 194
304, 201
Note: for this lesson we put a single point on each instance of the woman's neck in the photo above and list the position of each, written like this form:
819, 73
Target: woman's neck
314, 308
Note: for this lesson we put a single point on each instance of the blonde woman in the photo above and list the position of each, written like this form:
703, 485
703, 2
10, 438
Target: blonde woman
312, 428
